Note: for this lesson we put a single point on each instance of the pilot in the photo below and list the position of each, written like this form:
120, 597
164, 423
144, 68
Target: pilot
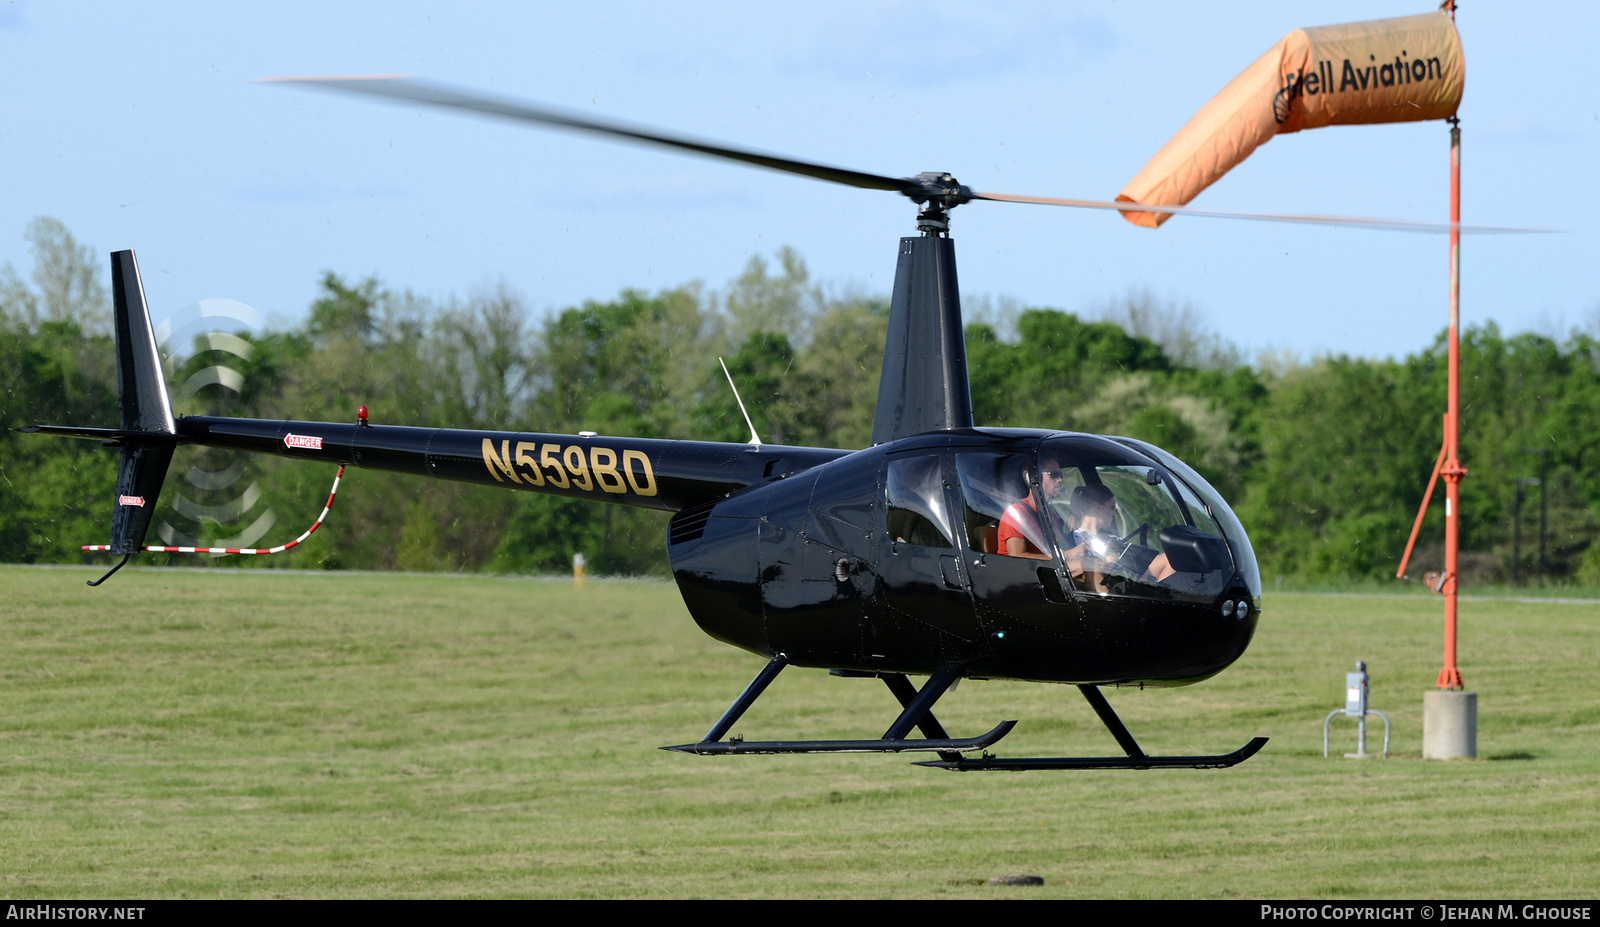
1094, 510
1020, 534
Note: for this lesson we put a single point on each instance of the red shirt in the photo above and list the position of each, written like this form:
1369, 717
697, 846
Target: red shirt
1020, 520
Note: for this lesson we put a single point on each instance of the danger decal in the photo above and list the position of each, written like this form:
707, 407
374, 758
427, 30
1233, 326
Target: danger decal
311, 442
131, 500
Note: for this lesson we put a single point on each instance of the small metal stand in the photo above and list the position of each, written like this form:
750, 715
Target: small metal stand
1355, 706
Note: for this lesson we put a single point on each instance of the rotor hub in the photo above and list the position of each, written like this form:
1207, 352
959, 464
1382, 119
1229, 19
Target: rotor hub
938, 187
938, 193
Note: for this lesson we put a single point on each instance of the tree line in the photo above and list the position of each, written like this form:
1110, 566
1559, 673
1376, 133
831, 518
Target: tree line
1326, 462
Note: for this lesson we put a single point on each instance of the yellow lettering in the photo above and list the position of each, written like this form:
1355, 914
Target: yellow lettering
606, 469
578, 467
551, 457
499, 463
525, 452
628, 460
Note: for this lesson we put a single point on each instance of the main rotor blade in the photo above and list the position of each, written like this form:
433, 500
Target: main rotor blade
411, 90
1393, 225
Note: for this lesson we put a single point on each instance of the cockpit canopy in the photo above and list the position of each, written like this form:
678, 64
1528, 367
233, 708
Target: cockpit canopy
1132, 519
1122, 516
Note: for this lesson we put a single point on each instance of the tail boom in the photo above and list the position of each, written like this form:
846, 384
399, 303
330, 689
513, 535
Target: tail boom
646, 472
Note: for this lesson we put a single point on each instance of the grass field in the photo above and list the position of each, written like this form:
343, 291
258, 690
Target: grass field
269, 734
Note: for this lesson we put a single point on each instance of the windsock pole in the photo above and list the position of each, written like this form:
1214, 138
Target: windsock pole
1453, 471
1449, 713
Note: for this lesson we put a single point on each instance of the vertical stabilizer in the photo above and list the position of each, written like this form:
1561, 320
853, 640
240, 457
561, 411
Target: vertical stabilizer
924, 382
141, 386
142, 395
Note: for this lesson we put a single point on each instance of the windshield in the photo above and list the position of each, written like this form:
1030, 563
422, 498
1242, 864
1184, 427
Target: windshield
1231, 528
1130, 526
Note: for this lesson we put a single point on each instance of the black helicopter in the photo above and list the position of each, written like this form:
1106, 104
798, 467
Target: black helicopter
944, 550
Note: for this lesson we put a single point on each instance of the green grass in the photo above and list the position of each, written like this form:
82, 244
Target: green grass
266, 734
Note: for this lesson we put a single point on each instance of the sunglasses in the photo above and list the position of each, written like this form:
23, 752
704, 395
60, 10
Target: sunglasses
1053, 474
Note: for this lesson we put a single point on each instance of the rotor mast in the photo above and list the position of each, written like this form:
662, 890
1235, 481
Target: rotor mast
924, 384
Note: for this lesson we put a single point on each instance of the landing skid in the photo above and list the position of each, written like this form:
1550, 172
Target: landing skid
1135, 759
738, 745
1020, 763
916, 713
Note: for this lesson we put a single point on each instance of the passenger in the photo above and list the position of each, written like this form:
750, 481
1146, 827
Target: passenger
1095, 539
1020, 531
1094, 509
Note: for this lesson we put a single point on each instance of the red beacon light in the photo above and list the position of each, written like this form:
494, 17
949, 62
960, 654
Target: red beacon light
361, 417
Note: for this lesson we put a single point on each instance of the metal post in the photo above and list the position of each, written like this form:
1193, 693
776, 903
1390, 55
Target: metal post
1544, 493
1544, 472
1450, 714
1453, 471
1516, 536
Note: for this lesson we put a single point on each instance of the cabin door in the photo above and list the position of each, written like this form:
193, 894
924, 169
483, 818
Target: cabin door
1019, 594
927, 609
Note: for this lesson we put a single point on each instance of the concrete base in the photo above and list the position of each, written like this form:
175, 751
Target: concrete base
1449, 725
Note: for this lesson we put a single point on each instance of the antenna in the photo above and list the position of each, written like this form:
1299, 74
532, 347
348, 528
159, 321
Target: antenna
753, 438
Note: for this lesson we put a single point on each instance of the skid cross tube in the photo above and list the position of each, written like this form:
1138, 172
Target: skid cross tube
928, 724
1136, 758
746, 698
1097, 701
938, 684
907, 693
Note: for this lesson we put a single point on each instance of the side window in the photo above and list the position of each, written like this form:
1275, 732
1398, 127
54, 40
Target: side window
1199, 516
998, 503
917, 512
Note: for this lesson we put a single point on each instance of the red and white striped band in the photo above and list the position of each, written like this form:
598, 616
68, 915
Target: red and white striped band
243, 550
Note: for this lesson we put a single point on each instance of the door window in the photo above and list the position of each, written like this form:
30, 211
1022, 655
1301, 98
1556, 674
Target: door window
917, 511
1001, 510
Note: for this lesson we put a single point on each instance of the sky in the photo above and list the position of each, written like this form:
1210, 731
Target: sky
141, 127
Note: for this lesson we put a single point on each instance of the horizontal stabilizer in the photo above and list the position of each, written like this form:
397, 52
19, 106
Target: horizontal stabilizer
108, 435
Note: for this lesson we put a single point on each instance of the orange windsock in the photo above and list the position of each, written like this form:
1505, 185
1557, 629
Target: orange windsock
1387, 70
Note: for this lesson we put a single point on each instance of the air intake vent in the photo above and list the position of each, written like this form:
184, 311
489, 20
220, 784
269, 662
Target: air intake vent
690, 524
